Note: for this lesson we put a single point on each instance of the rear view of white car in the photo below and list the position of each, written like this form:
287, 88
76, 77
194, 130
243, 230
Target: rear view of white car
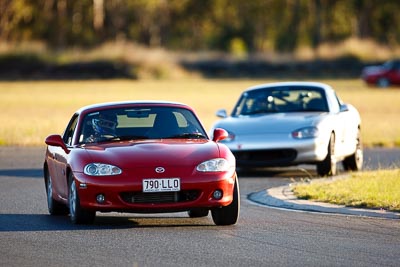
292, 123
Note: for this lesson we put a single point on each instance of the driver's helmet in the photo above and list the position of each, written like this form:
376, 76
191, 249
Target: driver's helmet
105, 124
259, 104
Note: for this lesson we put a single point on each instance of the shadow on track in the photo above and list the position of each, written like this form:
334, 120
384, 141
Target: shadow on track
284, 172
22, 173
44, 222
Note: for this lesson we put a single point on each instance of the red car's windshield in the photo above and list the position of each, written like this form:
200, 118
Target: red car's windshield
140, 123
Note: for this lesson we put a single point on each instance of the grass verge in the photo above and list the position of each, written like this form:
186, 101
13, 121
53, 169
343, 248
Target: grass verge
373, 189
31, 110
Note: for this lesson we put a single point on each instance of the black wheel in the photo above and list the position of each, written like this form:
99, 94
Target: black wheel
327, 167
228, 215
354, 162
54, 207
198, 213
383, 82
78, 215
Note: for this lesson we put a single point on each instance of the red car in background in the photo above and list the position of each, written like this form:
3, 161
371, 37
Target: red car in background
382, 75
141, 157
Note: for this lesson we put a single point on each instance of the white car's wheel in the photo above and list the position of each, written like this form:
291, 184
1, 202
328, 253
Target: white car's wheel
327, 167
354, 162
228, 215
78, 215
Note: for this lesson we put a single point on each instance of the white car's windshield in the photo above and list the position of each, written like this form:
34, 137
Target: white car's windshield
140, 123
281, 99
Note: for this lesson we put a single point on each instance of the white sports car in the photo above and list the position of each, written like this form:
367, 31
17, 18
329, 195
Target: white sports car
292, 123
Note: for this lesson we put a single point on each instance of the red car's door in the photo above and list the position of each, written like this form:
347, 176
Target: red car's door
61, 160
57, 167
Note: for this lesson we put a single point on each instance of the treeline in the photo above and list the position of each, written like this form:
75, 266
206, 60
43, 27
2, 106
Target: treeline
192, 25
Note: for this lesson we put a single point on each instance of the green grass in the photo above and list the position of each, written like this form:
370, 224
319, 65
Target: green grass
31, 110
373, 189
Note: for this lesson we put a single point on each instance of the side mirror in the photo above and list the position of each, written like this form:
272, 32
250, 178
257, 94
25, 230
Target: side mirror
344, 108
56, 140
221, 113
219, 134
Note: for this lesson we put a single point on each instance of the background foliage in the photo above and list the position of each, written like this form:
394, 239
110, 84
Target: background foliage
227, 25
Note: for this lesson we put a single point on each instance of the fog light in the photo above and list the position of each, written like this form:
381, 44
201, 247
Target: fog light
100, 198
217, 194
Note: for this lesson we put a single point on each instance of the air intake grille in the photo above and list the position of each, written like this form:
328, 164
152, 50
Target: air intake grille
164, 197
267, 156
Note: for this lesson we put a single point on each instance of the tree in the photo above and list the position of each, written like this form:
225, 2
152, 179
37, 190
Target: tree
257, 25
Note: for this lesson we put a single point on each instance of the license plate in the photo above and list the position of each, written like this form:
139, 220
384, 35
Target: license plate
161, 185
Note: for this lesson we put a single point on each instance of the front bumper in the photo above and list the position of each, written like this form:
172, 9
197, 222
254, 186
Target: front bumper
277, 150
123, 193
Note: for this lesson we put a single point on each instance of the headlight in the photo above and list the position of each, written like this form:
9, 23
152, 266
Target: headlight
213, 165
307, 132
100, 169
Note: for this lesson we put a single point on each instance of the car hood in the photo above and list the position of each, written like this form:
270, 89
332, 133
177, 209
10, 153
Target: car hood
148, 153
270, 123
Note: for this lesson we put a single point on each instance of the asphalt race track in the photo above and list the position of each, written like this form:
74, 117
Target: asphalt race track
263, 236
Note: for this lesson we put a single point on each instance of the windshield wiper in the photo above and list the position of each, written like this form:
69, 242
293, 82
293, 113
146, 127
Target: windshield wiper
122, 138
260, 112
189, 136
130, 137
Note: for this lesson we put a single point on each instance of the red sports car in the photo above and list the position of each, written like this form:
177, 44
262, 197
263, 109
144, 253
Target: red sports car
140, 157
382, 75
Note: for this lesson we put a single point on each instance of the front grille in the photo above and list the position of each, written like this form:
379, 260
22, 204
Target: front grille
163, 197
270, 156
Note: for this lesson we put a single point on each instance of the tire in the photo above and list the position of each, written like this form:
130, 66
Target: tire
198, 213
228, 215
383, 83
327, 167
54, 207
77, 213
354, 162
